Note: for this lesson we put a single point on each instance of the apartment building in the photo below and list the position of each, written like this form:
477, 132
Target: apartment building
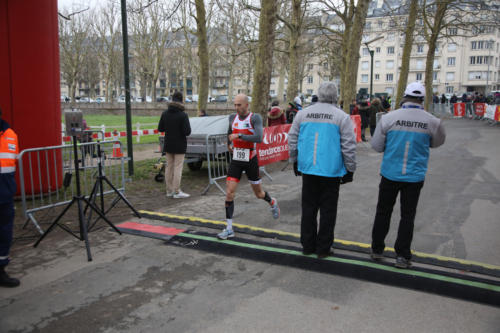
461, 64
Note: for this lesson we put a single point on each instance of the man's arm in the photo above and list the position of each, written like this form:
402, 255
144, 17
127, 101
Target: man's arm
438, 136
378, 139
293, 136
162, 123
348, 143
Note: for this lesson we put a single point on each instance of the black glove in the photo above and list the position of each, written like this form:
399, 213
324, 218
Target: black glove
296, 169
347, 178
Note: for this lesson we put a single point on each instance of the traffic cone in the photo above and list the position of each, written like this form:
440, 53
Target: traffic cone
117, 149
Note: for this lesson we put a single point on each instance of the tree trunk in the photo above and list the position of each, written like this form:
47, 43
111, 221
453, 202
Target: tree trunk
293, 72
281, 84
230, 84
439, 14
355, 36
201, 33
264, 59
405, 61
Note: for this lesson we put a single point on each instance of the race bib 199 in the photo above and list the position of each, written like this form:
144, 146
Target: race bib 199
241, 154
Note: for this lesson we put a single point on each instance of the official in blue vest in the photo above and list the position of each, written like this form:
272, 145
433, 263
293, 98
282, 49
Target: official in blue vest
404, 136
322, 148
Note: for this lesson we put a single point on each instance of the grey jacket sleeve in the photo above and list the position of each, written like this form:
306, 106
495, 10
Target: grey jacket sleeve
348, 143
378, 139
439, 135
293, 136
257, 126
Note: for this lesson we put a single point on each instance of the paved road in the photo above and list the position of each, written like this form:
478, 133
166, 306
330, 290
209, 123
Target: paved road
138, 284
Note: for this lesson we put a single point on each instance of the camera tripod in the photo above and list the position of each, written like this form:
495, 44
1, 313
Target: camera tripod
99, 189
80, 200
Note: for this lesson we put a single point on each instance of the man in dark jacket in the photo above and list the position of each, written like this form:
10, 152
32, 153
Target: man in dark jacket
364, 111
8, 153
175, 123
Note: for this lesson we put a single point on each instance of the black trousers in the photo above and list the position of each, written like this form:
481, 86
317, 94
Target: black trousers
318, 194
388, 192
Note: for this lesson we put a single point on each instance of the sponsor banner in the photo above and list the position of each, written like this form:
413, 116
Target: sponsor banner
490, 112
459, 109
479, 108
274, 145
356, 121
497, 113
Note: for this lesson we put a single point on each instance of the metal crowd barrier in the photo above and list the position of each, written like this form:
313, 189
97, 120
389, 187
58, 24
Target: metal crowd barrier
46, 180
218, 160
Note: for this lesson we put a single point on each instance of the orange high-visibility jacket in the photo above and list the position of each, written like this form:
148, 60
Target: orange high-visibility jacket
9, 149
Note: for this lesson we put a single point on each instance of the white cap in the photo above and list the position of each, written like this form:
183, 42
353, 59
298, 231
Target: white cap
297, 100
415, 89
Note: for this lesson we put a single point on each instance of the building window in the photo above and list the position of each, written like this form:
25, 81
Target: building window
420, 64
309, 79
472, 60
419, 77
389, 64
480, 45
449, 89
309, 91
380, 24
435, 64
325, 65
310, 66
364, 78
390, 50
452, 31
377, 77
473, 45
434, 76
451, 61
452, 47
420, 49
389, 77
479, 60
364, 65
377, 64
450, 76
377, 49
365, 51
271, 92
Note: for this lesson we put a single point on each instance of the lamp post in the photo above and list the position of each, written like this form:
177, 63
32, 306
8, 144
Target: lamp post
371, 65
490, 45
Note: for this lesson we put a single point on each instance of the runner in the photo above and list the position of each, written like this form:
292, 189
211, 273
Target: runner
245, 130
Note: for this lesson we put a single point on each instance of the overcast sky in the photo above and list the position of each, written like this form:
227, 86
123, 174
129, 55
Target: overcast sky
77, 3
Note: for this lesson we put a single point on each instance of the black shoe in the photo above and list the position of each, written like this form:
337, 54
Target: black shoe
402, 262
308, 253
325, 254
7, 281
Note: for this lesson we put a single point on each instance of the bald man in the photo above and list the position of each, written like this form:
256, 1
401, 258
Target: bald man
245, 130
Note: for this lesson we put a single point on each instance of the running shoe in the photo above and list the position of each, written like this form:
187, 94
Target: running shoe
225, 234
402, 262
181, 195
275, 209
377, 256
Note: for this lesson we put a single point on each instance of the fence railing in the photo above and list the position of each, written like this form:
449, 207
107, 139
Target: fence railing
46, 175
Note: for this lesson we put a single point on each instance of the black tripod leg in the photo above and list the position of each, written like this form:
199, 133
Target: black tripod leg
83, 226
92, 196
122, 197
102, 215
55, 222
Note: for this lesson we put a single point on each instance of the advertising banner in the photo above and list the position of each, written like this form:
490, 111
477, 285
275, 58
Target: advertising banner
490, 112
274, 145
356, 121
497, 113
480, 108
459, 109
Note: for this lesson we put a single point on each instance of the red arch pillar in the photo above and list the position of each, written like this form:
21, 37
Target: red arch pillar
29, 71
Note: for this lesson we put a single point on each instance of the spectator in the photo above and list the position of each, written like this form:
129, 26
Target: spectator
375, 107
364, 111
353, 107
323, 149
291, 112
9, 148
385, 104
314, 99
298, 102
404, 136
453, 99
275, 116
175, 123
443, 99
435, 99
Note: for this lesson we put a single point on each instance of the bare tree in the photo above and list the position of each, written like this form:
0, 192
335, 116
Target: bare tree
263, 64
405, 60
74, 47
201, 33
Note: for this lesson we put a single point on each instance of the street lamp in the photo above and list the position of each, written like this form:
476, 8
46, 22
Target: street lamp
490, 45
371, 65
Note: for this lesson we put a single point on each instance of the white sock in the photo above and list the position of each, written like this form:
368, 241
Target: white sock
229, 224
